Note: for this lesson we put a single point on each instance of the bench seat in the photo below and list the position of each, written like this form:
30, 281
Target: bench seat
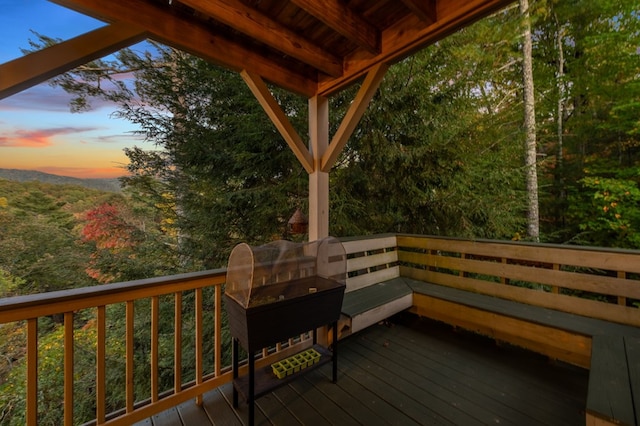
533, 314
374, 303
613, 381
559, 335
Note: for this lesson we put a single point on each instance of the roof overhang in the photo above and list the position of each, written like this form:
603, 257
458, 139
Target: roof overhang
309, 47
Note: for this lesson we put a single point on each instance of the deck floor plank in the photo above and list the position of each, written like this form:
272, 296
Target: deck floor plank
275, 411
406, 397
360, 385
556, 386
219, 410
192, 414
334, 413
448, 391
414, 372
362, 411
304, 411
488, 404
243, 411
169, 417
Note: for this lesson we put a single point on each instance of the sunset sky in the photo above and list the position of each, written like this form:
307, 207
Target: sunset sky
37, 130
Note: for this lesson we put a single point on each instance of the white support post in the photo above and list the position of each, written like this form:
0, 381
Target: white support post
318, 180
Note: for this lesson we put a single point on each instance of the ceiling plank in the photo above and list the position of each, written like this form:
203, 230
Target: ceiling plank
196, 38
279, 118
37, 67
343, 20
424, 9
253, 23
354, 114
410, 35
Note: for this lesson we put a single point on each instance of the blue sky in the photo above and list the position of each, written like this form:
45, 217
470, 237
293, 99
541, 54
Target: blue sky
37, 130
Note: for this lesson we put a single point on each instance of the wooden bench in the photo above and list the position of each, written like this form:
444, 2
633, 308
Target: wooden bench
374, 290
559, 335
471, 289
614, 349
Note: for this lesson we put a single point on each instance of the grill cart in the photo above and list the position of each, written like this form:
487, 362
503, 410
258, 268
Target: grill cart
277, 291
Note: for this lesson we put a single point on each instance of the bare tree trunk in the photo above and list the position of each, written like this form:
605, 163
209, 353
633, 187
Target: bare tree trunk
533, 215
560, 119
560, 83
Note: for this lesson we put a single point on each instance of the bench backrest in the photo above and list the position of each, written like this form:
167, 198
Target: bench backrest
371, 260
597, 283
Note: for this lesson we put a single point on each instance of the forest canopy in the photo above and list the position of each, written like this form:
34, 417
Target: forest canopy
439, 151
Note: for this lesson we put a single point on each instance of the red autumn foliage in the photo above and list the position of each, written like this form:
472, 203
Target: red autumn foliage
107, 228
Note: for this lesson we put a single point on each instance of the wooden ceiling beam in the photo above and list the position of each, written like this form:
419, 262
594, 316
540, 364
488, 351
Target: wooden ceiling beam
424, 9
253, 23
410, 35
354, 114
37, 67
278, 118
166, 26
344, 21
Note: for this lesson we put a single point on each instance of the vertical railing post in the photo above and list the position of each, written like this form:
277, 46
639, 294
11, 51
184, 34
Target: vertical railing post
621, 299
177, 344
199, 342
68, 368
503, 279
129, 326
155, 319
101, 366
217, 355
32, 372
555, 289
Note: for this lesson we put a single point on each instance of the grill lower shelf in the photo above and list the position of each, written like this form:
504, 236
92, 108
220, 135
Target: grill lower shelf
266, 381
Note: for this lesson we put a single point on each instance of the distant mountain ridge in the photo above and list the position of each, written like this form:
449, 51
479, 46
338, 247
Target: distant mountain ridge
109, 185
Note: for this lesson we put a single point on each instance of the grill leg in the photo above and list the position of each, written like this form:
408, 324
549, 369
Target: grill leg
234, 366
334, 356
252, 382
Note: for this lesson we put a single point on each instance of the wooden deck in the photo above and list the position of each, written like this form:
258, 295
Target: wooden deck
410, 372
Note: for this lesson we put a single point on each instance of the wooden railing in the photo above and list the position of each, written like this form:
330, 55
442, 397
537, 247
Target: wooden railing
597, 283
593, 282
94, 302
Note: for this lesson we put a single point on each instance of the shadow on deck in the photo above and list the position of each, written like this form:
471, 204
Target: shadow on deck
411, 371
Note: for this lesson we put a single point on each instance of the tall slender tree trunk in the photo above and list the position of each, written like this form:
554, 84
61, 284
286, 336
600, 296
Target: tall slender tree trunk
560, 84
533, 215
560, 122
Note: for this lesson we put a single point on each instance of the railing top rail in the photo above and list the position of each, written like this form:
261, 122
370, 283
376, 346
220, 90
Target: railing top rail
526, 244
33, 305
588, 257
23, 307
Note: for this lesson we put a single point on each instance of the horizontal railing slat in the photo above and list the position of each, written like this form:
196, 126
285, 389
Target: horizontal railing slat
587, 257
360, 281
571, 280
364, 262
561, 302
369, 244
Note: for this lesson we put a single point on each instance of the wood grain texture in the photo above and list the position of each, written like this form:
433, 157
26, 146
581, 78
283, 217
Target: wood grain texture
557, 344
632, 347
419, 372
609, 396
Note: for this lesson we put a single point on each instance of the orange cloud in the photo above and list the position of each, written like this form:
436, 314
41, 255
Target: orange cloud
85, 172
38, 138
